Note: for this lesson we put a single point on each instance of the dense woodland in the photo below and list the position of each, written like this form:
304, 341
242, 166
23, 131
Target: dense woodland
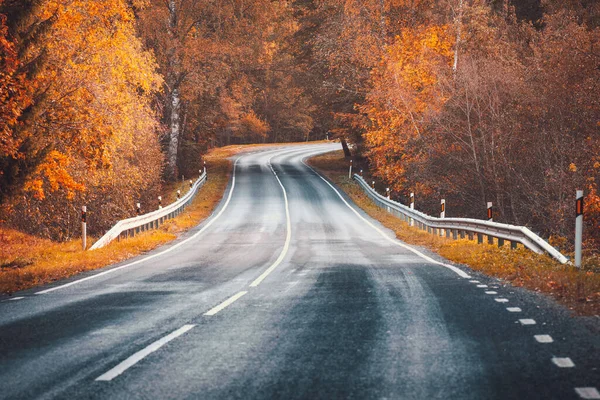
469, 100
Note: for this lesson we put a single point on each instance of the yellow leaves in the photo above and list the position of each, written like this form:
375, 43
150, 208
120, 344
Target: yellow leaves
52, 175
572, 167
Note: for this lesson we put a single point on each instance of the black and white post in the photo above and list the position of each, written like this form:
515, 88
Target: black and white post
191, 184
388, 193
490, 211
178, 194
373, 185
578, 227
443, 208
412, 207
204, 166
84, 226
350, 171
159, 202
138, 209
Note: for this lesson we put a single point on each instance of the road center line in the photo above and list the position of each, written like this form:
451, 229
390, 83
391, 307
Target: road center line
140, 355
288, 235
588, 393
458, 271
543, 338
225, 304
205, 227
563, 362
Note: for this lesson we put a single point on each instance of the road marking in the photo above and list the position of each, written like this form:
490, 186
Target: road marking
563, 362
140, 355
514, 309
527, 321
205, 227
490, 292
473, 281
288, 234
482, 286
225, 304
501, 300
16, 298
543, 338
458, 271
588, 393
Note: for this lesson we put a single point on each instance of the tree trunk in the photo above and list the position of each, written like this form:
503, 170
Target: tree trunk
458, 22
347, 153
174, 134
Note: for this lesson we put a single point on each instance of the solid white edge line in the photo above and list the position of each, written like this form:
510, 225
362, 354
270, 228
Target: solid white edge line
140, 355
110, 271
288, 235
458, 271
225, 304
16, 298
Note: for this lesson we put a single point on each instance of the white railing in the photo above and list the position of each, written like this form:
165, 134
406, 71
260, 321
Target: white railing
455, 227
152, 220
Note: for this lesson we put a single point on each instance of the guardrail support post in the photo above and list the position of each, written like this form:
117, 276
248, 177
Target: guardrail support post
84, 227
490, 239
500, 242
471, 236
480, 238
454, 234
462, 234
490, 211
578, 227
513, 244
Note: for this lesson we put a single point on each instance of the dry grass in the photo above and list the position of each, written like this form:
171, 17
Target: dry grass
27, 261
577, 289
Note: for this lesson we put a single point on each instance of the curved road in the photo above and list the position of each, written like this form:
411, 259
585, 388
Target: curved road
289, 291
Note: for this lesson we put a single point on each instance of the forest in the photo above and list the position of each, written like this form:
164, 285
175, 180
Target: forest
102, 102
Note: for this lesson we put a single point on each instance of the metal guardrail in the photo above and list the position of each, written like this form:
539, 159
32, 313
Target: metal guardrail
150, 220
455, 227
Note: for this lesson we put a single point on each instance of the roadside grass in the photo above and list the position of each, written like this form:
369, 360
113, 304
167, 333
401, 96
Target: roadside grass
27, 261
577, 289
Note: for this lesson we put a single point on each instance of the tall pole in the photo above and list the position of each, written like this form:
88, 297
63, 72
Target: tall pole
578, 227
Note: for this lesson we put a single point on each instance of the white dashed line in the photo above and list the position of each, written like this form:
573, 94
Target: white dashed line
527, 321
140, 355
501, 300
490, 292
482, 286
16, 298
588, 393
543, 338
225, 304
563, 362
474, 281
513, 309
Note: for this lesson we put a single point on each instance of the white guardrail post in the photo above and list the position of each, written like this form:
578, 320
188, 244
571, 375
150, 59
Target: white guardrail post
153, 219
464, 226
578, 227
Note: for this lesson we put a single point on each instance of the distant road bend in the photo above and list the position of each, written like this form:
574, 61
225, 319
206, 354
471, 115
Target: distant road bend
289, 291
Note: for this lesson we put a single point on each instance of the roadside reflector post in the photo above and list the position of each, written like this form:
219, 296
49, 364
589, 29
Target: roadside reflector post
191, 184
138, 209
350, 170
178, 194
388, 193
490, 211
361, 172
443, 215
412, 207
204, 166
159, 202
373, 185
84, 226
578, 227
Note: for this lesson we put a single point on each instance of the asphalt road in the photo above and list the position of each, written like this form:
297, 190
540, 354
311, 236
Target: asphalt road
290, 292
